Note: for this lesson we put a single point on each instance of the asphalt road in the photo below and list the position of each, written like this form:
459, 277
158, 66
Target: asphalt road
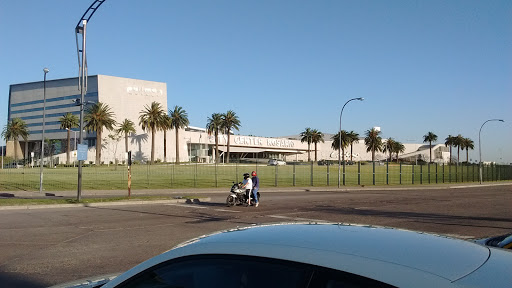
44, 247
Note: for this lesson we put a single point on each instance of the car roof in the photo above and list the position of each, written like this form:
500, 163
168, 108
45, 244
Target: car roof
396, 256
442, 256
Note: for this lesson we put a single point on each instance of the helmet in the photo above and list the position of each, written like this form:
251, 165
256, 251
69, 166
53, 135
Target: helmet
253, 173
246, 175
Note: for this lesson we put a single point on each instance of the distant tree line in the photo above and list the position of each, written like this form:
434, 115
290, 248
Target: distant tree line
153, 118
374, 143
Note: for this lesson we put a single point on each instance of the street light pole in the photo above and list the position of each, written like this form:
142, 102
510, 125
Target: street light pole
339, 142
83, 89
480, 146
45, 70
80, 29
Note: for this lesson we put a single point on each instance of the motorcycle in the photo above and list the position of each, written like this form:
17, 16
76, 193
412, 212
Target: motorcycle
238, 196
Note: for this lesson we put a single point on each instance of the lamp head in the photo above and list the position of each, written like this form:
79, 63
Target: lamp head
360, 99
501, 120
46, 70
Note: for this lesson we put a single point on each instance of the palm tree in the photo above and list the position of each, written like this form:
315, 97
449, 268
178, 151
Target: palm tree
398, 148
97, 117
430, 137
150, 119
449, 142
467, 144
306, 136
389, 146
373, 142
179, 120
345, 141
230, 121
13, 131
213, 125
316, 137
126, 127
165, 125
68, 121
458, 143
353, 138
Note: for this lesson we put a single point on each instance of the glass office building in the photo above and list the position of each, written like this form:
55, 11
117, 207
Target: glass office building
126, 98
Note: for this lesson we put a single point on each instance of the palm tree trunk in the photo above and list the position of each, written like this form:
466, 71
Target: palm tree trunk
390, 152
373, 155
458, 153
178, 148
153, 132
309, 155
68, 148
16, 151
450, 154
342, 154
98, 147
350, 152
430, 160
316, 158
165, 145
467, 155
126, 142
217, 146
229, 130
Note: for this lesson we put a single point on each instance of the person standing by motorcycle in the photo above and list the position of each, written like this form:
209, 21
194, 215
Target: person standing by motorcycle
247, 185
255, 187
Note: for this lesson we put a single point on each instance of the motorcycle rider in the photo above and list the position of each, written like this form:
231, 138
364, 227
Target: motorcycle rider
247, 185
255, 187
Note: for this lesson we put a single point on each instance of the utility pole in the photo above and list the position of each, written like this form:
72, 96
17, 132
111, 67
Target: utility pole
80, 29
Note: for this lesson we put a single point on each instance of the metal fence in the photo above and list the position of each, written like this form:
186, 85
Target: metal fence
190, 175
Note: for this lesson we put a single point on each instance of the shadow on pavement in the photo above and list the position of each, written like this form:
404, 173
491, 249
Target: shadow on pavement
420, 217
11, 280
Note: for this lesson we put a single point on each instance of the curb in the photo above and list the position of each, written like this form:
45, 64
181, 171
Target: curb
105, 204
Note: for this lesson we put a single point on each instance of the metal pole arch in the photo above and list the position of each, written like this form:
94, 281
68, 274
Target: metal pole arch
80, 29
339, 140
480, 146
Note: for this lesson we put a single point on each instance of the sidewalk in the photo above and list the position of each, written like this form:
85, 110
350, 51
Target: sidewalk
206, 191
178, 194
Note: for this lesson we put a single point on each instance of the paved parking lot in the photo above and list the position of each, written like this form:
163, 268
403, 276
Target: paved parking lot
42, 247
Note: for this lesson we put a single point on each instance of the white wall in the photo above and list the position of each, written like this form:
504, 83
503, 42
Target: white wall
127, 98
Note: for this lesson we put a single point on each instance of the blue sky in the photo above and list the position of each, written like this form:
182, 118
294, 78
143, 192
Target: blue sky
282, 66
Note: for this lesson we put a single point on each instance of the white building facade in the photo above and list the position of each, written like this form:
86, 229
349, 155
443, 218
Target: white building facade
127, 98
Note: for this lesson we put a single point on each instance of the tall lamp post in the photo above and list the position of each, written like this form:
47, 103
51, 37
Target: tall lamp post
80, 29
2, 147
480, 146
339, 140
45, 70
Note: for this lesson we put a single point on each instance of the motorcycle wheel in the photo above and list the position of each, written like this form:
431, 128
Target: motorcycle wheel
259, 197
230, 201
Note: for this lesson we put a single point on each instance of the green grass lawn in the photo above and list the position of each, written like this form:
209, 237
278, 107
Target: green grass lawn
168, 176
